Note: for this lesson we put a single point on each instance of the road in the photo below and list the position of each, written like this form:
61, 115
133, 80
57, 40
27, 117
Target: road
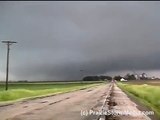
70, 106
58, 107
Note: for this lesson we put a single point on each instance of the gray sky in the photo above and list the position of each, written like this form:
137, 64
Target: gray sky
58, 39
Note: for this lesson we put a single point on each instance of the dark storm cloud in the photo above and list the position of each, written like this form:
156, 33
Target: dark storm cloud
58, 39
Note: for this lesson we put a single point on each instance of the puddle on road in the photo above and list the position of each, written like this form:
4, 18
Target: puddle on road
44, 102
25, 106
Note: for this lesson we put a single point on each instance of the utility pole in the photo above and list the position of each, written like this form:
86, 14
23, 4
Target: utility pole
8, 43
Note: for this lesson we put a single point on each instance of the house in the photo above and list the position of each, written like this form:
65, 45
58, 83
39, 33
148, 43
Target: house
122, 79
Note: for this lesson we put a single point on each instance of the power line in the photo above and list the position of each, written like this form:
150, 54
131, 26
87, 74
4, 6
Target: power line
8, 43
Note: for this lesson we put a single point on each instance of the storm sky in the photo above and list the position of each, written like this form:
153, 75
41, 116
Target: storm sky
56, 40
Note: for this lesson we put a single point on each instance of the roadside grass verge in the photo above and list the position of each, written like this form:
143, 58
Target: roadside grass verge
25, 91
147, 94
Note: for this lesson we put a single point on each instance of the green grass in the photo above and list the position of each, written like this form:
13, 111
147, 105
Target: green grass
18, 91
146, 94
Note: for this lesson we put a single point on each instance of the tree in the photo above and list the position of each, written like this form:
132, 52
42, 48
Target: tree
130, 76
108, 77
95, 78
143, 76
91, 78
105, 77
117, 77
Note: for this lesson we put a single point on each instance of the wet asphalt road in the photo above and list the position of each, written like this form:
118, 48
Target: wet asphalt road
68, 106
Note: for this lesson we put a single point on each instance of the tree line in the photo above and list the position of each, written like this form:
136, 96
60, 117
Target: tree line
95, 78
128, 76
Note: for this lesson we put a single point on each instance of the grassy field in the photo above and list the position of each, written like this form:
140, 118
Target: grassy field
147, 94
18, 91
141, 82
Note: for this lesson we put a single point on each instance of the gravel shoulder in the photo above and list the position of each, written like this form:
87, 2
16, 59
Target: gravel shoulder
124, 104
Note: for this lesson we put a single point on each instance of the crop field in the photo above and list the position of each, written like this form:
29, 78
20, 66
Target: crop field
148, 93
18, 91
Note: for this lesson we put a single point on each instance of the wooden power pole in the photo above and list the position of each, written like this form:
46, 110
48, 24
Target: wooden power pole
7, 67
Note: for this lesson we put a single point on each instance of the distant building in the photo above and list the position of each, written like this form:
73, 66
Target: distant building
122, 79
153, 78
